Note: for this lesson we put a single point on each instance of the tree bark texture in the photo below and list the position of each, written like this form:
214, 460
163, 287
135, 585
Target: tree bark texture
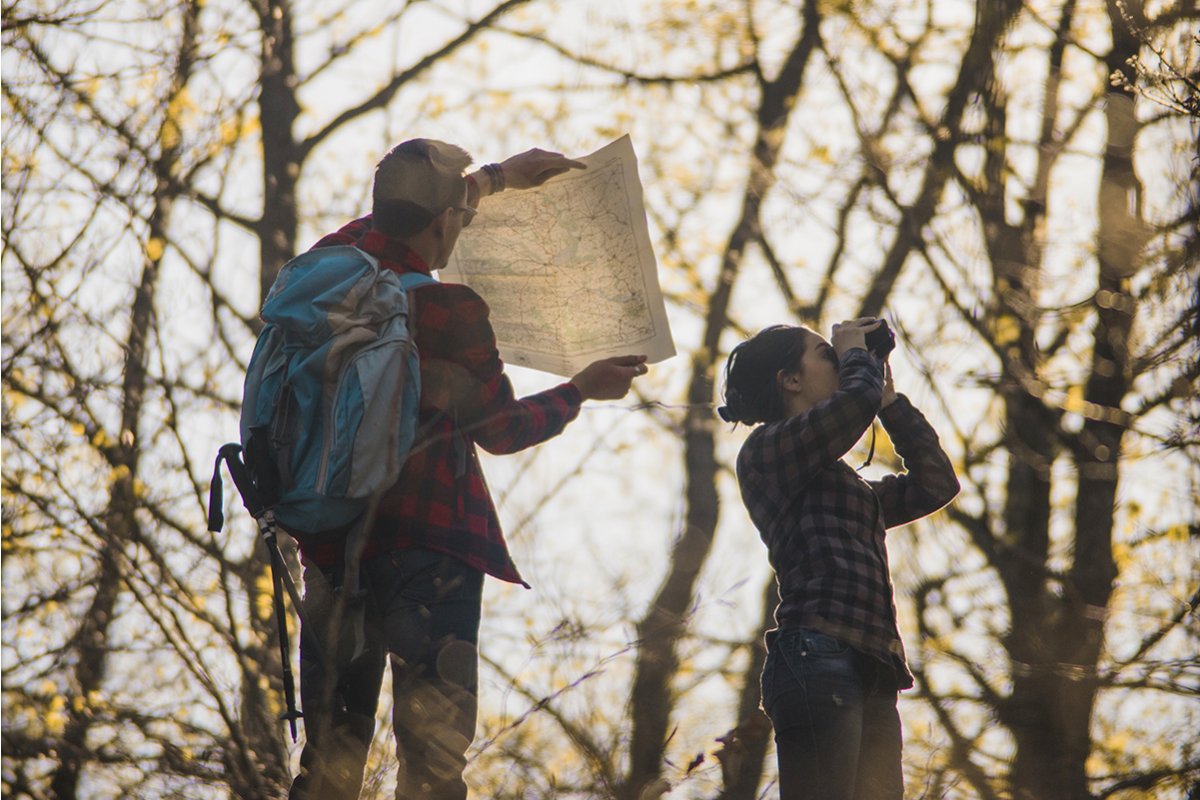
278, 111
1058, 636
659, 630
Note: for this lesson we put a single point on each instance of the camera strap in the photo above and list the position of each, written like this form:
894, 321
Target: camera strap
871, 451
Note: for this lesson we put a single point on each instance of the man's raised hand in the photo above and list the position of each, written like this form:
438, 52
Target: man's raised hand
535, 167
609, 378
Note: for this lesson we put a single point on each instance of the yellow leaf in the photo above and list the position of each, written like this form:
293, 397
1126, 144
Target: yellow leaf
154, 248
1178, 534
1074, 402
1122, 556
263, 582
1008, 330
14, 398
230, 131
821, 153
55, 722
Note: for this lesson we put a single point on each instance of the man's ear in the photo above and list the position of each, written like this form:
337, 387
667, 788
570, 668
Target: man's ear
438, 224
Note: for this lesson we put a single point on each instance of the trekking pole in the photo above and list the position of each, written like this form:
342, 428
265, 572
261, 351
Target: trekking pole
280, 577
266, 525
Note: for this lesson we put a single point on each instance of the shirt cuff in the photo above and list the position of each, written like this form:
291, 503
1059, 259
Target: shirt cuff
572, 393
860, 355
897, 410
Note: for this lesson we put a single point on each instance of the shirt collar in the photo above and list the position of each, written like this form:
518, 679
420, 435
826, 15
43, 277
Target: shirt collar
392, 253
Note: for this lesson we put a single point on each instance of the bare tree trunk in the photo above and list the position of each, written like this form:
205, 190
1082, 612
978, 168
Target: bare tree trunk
278, 110
92, 643
1057, 698
659, 631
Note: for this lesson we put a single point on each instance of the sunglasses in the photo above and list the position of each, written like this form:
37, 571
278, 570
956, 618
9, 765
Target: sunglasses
468, 214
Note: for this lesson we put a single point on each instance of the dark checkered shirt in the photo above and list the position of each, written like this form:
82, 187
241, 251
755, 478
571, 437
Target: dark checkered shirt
824, 526
441, 501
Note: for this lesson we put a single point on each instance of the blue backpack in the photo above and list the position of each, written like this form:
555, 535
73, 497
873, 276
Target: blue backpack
329, 406
333, 387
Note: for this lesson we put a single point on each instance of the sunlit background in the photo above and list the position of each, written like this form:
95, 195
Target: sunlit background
1013, 184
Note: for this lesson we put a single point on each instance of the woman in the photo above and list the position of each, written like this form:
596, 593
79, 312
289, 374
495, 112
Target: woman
835, 662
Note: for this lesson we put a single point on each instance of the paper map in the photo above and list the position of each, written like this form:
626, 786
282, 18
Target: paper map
567, 268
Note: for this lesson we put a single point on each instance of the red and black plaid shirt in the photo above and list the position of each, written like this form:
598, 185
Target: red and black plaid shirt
441, 501
824, 526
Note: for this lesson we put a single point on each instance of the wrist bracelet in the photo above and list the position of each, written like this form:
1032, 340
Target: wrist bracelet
495, 174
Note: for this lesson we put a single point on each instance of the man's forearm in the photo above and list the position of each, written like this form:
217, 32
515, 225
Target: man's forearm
483, 182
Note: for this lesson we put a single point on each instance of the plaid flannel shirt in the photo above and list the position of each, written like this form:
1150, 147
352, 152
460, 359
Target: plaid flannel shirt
441, 501
824, 525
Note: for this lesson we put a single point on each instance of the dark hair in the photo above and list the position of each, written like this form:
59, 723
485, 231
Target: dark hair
751, 391
399, 218
414, 182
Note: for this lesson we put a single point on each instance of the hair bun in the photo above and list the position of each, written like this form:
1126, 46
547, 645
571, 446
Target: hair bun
734, 409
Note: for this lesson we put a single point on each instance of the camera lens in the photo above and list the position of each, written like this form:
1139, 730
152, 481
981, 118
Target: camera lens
881, 341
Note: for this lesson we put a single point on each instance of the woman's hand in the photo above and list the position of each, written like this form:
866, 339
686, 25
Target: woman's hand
889, 388
852, 333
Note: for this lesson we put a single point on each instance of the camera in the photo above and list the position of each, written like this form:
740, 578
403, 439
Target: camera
881, 341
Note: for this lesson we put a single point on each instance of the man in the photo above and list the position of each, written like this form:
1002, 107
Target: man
436, 532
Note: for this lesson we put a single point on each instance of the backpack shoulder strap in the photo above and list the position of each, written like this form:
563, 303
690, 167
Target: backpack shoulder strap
410, 281
415, 280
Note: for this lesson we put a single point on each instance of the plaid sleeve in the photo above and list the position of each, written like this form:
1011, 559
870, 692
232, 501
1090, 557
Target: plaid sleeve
463, 372
928, 482
793, 450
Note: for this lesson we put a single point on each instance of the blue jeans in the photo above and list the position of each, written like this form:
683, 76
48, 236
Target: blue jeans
837, 729
421, 609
